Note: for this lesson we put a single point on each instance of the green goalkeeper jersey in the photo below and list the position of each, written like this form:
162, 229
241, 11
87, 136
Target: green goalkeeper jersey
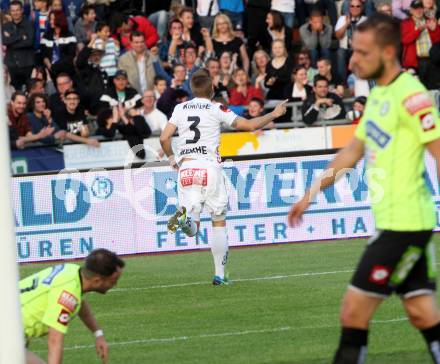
399, 119
50, 298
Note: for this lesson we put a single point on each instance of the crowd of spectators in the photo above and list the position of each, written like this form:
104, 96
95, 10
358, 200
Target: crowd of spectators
116, 68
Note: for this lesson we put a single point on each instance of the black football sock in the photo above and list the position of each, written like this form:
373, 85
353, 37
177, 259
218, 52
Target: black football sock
352, 346
432, 337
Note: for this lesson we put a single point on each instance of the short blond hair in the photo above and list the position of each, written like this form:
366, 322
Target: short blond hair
201, 83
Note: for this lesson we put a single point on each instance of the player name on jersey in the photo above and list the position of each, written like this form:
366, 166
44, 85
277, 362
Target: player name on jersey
196, 150
196, 106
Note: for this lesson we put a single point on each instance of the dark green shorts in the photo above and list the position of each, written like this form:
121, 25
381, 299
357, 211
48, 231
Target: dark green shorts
397, 261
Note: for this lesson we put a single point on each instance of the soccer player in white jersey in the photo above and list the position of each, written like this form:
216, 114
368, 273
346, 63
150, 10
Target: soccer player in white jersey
201, 183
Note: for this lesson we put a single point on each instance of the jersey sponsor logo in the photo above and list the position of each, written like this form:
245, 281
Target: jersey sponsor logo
427, 121
194, 176
63, 318
417, 102
196, 150
55, 271
379, 274
224, 108
68, 300
380, 137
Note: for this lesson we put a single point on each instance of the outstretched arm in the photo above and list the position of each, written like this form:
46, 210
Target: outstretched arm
86, 316
346, 158
260, 121
55, 342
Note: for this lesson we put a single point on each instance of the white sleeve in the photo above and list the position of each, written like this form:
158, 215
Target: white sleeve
174, 117
340, 23
224, 115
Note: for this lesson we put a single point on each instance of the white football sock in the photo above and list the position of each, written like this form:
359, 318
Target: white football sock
219, 249
189, 227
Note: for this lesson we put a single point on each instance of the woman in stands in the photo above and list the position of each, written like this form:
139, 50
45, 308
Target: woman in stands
227, 68
278, 71
243, 92
58, 46
298, 89
276, 30
260, 60
224, 39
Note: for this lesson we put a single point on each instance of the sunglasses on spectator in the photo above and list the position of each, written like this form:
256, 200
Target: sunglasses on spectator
72, 98
355, 6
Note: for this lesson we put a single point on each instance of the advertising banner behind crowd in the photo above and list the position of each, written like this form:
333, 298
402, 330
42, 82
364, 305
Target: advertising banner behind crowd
65, 216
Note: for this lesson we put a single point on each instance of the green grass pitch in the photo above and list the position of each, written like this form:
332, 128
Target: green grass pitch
281, 308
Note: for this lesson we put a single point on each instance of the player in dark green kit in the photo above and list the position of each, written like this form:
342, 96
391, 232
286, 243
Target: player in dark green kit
400, 122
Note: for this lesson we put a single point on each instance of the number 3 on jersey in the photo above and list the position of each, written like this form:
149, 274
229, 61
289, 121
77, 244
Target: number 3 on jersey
193, 127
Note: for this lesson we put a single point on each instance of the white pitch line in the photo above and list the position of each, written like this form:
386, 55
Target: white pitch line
217, 335
309, 274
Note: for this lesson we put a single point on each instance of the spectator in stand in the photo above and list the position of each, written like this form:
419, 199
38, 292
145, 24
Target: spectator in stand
206, 11
73, 119
243, 91
41, 21
256, 12
58, 46
20, 131
401, 8
9, 89
63, 83
138, 64
134, 129
298, 88
103, 41
344, 30
234, 10
220, 90
322, 105
418, 35
286, 9
305, 59
336, 85
191, 31
85, 26
175, 31
224, 39
189, 55
355, 115
305, 8
276, 30
40, 117
120, 93
40, 72
57, 5
278, 71
260, 60
92, 76
179, 80
227, 67
155, 118
316, 36
170, 98
18, 37
255, 108
126, 24
368, 7
160, 85
107, 121
384, 8
430, 9
34, 86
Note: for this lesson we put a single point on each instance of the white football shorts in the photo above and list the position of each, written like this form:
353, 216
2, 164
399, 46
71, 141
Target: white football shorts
202, 187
